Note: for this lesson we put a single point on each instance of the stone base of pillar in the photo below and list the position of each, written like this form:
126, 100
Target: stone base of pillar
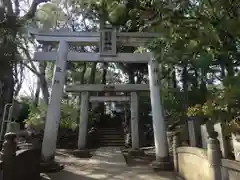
50, 166
136, 152
164, 164
82, 153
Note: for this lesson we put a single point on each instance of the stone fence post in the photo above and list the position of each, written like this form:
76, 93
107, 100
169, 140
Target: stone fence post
9, 156
214, 158
175, 145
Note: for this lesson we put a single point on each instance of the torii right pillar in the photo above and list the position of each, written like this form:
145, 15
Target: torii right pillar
162, 161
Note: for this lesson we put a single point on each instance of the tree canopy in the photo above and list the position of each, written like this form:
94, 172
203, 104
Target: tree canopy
197, 51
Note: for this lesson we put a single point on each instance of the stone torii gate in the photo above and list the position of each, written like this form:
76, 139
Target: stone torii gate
108, 39
133, 99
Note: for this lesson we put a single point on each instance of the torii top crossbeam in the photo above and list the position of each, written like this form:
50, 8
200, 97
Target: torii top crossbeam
107, 39
93, 38
107, 88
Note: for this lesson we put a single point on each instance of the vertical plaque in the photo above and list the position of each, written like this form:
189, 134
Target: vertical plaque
108, 42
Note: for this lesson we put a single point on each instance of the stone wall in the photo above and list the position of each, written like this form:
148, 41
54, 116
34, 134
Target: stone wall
19, 164
193, 163
232, 168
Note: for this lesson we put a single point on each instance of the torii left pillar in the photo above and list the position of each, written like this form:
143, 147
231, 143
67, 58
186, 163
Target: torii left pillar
54, 107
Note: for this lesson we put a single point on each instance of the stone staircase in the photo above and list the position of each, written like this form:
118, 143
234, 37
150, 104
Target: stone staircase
111, 137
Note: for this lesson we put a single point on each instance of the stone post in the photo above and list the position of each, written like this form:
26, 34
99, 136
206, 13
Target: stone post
83, 123
134, 121
214, 158
54, 107
192, 132
236, 146
9, 156
176, 144
160, 136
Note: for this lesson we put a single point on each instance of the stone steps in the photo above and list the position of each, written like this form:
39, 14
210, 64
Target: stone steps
111, 137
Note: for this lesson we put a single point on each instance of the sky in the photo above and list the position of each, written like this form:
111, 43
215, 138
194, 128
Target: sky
29, 83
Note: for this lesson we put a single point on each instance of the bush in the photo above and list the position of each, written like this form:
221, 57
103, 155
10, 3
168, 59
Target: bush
37, 116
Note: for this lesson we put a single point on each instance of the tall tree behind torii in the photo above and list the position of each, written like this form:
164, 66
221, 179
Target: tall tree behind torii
11, 25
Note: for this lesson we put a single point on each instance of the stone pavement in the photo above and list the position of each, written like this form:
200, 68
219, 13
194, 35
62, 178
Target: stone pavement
107, 163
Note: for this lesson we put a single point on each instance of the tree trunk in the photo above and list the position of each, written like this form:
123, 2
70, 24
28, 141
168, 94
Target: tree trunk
93, 73
6, 87
92, 77
195, 79
105, 66
139, 78
185, 99
102, 105
131, 77
174, 80
37, 93
18, 80
43, 81
83, 73
230, 68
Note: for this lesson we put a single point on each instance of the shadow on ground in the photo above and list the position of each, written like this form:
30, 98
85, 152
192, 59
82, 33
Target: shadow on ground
66, 175
106, 165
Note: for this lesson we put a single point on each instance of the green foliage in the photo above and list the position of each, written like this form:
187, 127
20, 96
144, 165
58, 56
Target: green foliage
199, 42
195, 110
69, 114
36, 117
118, 14
235, 125
50, 14
68, 118
172, 103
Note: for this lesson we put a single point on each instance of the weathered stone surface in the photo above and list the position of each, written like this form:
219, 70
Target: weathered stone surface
204, 135
50, 166
9, 156
22, 164
222, 140
194, 130
82, 153
108, 163
236, 146
233, 174
232, 168
193, 164
28, 164
162, 165
136, 152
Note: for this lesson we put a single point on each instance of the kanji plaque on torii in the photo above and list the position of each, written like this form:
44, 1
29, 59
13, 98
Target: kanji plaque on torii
108, 38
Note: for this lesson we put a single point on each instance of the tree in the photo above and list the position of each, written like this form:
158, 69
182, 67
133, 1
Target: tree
11, 28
